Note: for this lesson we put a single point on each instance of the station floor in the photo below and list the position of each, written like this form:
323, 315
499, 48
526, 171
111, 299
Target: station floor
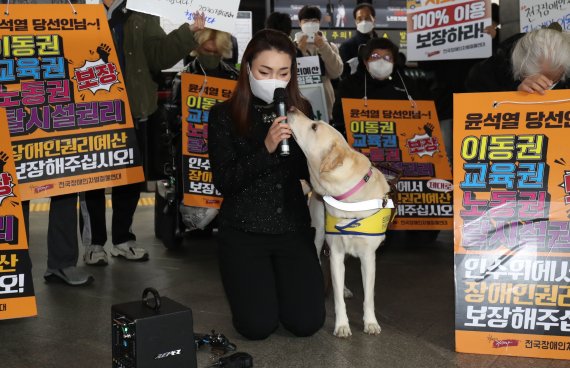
414, 306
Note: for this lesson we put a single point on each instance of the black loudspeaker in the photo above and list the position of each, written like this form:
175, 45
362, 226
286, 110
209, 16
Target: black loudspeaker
147, 334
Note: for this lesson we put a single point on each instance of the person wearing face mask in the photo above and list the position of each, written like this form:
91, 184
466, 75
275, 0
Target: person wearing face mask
209, 61
376, 78
267, 258
311, 42
208, 58
364, 17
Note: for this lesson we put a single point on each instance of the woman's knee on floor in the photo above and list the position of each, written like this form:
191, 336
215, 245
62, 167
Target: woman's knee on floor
256, 328
304, 326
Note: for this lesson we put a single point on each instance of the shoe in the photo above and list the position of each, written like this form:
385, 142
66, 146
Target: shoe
130, 251
70, 275
95, 255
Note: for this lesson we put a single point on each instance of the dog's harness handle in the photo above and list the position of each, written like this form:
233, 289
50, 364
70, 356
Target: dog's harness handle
392, 183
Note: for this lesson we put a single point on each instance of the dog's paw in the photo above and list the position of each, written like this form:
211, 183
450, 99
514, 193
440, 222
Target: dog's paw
342, 331
372, 328
347, 293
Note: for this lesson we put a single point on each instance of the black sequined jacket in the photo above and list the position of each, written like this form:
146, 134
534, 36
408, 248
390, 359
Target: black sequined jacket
262, 192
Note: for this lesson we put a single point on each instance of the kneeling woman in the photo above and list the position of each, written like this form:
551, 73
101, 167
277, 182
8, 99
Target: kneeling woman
268, 261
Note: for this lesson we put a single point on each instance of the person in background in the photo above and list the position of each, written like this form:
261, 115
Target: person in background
280, 22
531, 62
214, 47
233, 58
377, 78
541, 61
208, 60
267, 257
143, 49
62, 242
364, 17
311, 42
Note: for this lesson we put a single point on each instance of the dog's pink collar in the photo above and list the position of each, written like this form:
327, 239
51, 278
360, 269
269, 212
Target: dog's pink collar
355, 188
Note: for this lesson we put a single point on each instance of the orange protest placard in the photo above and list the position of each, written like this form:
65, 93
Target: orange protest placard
67, 109
16, 287
512, 230
198, 96
410, 141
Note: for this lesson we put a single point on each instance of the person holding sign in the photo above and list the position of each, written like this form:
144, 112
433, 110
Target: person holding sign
268, 261
311, 42
213, 47
377, 78
144, 49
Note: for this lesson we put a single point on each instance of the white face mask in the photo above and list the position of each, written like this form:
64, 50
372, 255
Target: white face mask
264, 88
310, 28
380, 69
365, 26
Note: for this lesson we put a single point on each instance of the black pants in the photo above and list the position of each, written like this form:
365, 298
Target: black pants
270, 279
62, 242
124, 200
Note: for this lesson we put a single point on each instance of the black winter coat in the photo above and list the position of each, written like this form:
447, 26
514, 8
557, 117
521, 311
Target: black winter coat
262, 191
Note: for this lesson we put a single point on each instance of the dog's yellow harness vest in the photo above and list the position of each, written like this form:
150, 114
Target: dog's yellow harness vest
374, 225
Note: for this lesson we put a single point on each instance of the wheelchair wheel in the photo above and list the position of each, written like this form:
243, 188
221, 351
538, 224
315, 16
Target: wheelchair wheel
171, 237
158, 206
166, 222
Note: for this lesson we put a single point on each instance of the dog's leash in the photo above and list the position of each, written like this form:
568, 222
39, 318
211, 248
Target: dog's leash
392, 182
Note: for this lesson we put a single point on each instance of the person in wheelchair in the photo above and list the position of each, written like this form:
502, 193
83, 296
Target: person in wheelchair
208, 59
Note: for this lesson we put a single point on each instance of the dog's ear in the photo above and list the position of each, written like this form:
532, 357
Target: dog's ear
333, 159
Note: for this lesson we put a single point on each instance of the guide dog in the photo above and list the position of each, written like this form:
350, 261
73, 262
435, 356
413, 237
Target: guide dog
355, 195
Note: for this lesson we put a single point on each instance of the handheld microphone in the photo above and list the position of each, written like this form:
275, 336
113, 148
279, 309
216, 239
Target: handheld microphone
279, 98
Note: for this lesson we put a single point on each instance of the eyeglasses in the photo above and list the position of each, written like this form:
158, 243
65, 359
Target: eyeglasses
376, 56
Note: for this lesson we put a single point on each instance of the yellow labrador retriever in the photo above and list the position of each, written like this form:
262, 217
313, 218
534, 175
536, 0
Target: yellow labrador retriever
354, 193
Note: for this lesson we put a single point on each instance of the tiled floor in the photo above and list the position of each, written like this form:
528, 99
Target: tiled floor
414, 305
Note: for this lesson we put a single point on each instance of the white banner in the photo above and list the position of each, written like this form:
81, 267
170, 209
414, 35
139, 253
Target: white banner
308, 70
537, 14
451, 30
243, 31
315, 93
220, 14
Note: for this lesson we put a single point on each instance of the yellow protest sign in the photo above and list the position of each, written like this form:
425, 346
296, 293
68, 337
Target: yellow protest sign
512, 233
410, 141
198, 96
16, 287
67, 109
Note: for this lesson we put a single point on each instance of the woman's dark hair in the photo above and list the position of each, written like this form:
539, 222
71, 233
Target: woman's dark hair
240, 104
377, 43
309, 12
364, 5
280, 22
